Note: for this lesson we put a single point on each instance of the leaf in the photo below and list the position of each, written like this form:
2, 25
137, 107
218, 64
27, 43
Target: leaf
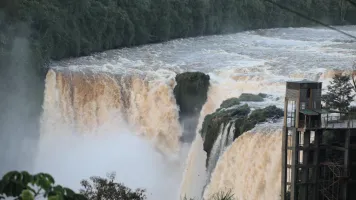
10, 175
3, 183
26, 178
49, 178
68, 192
43, 181
10, 190
27, 195
55, 197
44, 184
58, 189
17, 189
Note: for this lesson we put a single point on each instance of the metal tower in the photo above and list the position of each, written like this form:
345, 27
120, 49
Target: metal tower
317, 147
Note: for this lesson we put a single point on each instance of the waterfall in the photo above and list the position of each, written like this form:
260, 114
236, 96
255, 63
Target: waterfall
251, 167
114, 112
92, 103
96, 122
193, 183
219, 146
195, 175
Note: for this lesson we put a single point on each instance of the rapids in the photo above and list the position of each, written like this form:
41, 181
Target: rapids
115, 111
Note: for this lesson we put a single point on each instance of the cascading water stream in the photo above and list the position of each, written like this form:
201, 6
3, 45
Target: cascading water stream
88, 103
251, 167
231, 134
219, 146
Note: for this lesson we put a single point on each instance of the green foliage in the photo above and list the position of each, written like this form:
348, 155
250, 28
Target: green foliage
221, 117
339, 95
241, 116
27, 195
251, 97
191, 92
230, 102
63, 28
102, 188
270, 112
25, 186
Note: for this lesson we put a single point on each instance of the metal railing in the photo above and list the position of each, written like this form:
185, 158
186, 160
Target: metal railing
330, 120
334, 122
338, 122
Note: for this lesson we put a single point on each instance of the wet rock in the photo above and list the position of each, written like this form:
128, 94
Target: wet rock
240, 116
191, 93
270, 112
213, 122
230, 102
252, 97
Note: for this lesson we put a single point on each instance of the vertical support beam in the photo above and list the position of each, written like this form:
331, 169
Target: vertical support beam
311, 99
327, 119
294, 171
305, 170
285, 111
316, 162
297, 106
346, 164
284, 162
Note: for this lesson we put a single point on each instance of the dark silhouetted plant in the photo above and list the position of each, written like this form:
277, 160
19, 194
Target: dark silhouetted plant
98, 188
24, 186
223, 196
339, 95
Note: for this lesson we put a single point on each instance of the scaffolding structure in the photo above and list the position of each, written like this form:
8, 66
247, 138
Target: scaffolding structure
332, 174
315, 167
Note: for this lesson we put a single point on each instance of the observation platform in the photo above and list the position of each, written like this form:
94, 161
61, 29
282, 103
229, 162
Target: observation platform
312, 119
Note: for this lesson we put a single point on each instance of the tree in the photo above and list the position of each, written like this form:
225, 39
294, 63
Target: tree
339, 93
102, 188
353, 76
25, 186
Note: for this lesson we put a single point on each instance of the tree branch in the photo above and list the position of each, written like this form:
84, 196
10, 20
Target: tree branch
353, 76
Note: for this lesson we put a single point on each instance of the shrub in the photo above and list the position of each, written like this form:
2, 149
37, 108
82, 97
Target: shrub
25, 186
106, 188
250, 97
230, 102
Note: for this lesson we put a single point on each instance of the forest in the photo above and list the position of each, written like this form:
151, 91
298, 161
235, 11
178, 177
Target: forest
59, 29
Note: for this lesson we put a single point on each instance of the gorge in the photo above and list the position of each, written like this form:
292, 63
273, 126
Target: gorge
118, 111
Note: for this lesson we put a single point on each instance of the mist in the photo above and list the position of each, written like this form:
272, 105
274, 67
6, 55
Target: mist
21, 94
70, 158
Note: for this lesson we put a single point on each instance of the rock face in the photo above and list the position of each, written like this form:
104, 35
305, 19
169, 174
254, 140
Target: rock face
241, 118
191, 93
230, 102
252, 97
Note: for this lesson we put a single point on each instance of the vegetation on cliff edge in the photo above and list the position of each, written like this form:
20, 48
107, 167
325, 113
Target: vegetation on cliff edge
239, 116
252, 97
191, 93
